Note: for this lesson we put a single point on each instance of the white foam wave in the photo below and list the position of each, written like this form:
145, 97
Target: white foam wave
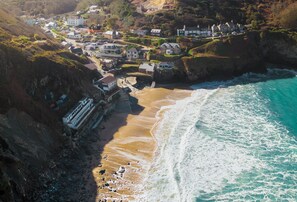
220, 144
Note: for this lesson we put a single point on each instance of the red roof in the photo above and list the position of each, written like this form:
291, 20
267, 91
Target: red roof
108, 79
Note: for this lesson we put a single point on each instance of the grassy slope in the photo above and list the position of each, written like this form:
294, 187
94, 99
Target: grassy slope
39, 7
223, 58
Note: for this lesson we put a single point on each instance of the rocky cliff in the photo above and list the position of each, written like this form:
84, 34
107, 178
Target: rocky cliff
232, 56
34, 72
279, 47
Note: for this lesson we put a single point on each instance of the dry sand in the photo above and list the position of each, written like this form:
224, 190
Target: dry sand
132, 145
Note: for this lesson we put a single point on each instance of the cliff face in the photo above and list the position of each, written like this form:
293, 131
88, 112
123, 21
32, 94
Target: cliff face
279, 47
26, 147
34, 72
236, 55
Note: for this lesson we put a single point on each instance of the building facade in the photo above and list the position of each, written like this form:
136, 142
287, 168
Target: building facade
75, 21
76, 117
132, 53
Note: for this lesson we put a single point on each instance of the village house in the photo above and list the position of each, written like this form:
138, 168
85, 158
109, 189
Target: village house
239, 28
214, 30
51, 25
66, 44
93, 29
170, 48
93, 9
110, 48
194, 31
147, 68
132, 53
74, 35
228, 27
108, 83
165, 65
231, 26
108, 64
111, 34
205, 32
156, 32
90, 46
223, 28
139, 32
76, 50
75, 21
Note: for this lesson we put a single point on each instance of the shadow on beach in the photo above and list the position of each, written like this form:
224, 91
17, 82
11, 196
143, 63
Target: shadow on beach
75, 180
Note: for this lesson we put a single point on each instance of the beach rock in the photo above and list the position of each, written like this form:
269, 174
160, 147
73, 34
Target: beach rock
102, 172
121, 170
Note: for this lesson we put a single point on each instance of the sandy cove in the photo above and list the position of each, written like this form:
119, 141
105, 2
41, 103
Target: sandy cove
129, 144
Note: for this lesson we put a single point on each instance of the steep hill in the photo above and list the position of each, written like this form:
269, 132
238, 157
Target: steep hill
171, 14
32, 66
39, 7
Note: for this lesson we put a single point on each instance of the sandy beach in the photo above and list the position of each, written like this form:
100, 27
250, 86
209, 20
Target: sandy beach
129, 144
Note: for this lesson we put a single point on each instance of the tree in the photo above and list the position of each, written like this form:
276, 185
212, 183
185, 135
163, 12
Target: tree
161, 41
112, 23
288, 17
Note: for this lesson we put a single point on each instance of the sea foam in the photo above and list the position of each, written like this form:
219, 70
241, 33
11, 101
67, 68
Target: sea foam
222, 144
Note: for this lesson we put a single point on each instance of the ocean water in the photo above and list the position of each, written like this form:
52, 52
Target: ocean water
229, 141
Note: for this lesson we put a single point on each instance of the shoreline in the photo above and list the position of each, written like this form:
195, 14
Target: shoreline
126, 159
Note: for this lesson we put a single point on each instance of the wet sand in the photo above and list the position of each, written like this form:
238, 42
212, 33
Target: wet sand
127, 157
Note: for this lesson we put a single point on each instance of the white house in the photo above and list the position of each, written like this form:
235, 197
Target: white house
139, 32
156, 32
148, 68
111, 34
232, 27
108, 83
165, 65
93, 9
74, 35
110, 48
170, 48
194, 31
75, 21
108, 63
132, 53
51, 25
223, 28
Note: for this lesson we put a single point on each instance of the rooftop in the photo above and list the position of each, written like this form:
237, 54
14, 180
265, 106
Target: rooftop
147, 66
108, 79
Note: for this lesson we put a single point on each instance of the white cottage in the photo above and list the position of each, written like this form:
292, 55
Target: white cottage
132, 53
75, 21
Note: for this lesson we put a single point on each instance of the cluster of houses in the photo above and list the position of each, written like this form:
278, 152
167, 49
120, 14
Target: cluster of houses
101, 43
213, 31
150, 67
